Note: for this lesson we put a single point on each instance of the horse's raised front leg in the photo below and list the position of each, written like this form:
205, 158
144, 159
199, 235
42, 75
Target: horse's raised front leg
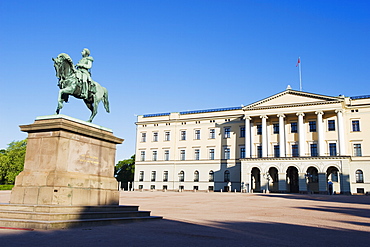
60, 101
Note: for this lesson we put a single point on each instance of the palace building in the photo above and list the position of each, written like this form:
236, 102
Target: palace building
293, 141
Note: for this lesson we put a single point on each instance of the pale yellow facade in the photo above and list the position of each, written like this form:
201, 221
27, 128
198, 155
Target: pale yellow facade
292, 141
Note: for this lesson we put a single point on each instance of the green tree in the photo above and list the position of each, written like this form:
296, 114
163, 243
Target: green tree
124, 171
12, 161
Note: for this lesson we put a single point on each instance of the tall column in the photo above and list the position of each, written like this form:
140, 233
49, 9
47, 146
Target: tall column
301, 134
320, 133
342, 149
247, 137
264, 135
281, 135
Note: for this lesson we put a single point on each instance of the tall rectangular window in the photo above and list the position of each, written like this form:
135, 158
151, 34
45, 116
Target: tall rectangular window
276, 128
293, 127
357, 149
165, 176
167, 136
141, 176
313, 148
276, 151
183, 135
212, 133
153, 176
331, 125
154, 155
355, 125
211, 154
259, 151
227, 132
155, 136
227, 153
143, 137
333, 149
242, 131
312, 125
196, 154
166, 155
142, 156
242, 152
182, 154
197, 134
295, 152
259, 129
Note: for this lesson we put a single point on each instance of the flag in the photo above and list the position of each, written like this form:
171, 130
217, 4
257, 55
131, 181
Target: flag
299, 61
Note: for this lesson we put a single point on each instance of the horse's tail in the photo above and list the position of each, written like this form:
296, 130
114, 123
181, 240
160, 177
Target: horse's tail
105, 100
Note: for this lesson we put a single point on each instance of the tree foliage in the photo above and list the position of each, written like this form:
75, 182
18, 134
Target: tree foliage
12, 161
125, 169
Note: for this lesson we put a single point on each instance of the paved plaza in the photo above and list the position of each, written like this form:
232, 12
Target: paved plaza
219, 219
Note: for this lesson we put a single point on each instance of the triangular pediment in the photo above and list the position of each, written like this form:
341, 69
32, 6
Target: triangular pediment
292, 98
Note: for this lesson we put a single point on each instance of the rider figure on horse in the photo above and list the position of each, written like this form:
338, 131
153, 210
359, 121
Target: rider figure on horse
84, 75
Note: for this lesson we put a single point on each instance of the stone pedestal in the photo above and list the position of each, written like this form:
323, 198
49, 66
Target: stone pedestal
68, 162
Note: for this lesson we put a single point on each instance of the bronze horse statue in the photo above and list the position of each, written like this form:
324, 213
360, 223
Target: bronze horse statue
70, 85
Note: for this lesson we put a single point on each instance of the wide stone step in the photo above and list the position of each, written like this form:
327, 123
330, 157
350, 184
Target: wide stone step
65, 209
39, 224
70, 216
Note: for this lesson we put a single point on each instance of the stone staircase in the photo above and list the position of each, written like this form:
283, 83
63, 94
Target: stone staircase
58, 217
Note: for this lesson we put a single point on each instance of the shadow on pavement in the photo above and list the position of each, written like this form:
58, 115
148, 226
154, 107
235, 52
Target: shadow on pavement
360, 212
328, 198
177, 233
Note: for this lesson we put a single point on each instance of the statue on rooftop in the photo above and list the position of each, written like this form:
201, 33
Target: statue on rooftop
76, 81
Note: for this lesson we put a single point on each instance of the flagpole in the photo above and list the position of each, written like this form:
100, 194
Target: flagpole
299, 73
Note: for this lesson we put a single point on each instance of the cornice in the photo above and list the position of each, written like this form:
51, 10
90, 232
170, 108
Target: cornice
298, 158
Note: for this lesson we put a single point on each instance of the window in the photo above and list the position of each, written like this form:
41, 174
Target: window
196, 154
152, 187
359, 176
143, 137
276, 151
259, 151
355, 125
276, 128
312, 125
357, 149
211, 154
331, 125
154, 155
165, 176
212, 133
195, 187
142, 156
293, 127
332, 149
197, 135
141, 187
183, 135
155, 136
166, 155
313, 148
227, 132
259, 129
227, 153
182, 154
210, 188
153, 176
360, 191
181, 176
211, 176
295, 150
242, 131
164, 187
141, 176
167, 136
242, 152
227, 176
196, 176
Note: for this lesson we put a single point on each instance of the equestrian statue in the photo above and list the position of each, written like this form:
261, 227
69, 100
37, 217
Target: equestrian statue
76, 81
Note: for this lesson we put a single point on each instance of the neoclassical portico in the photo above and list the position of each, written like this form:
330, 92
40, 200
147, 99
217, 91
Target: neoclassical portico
292, 134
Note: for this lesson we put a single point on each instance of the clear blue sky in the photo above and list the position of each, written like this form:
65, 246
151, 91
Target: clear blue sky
169, 56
